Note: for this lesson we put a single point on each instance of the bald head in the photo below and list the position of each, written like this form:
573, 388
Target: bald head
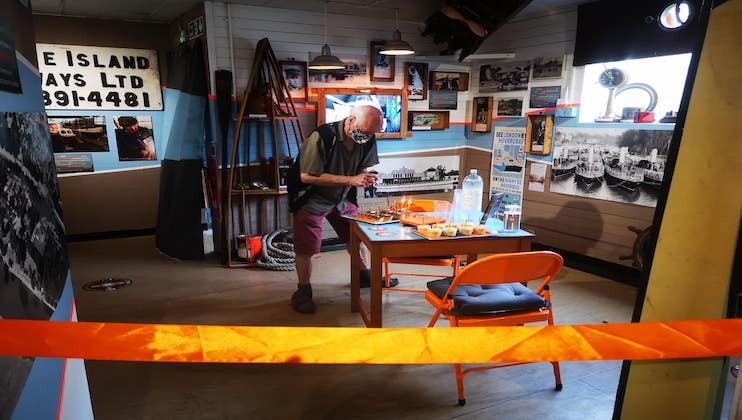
366, 118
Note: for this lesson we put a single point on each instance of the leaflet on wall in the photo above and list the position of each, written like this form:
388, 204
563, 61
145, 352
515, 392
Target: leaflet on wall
508, 161
79, 77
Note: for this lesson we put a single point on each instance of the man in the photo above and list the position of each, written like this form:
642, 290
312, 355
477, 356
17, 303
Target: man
134, 142
330, 174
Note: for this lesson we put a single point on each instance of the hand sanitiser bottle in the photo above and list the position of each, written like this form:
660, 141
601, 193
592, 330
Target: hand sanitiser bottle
472, 188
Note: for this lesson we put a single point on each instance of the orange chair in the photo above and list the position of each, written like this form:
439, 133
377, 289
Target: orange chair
419, 206
491, 292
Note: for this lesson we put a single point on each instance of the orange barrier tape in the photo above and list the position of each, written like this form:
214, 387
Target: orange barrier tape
223, 344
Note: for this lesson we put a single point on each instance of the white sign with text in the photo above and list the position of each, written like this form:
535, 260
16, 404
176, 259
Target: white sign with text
106, 78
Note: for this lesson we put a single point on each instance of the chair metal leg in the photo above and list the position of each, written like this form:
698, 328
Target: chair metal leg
557, 376
460, 384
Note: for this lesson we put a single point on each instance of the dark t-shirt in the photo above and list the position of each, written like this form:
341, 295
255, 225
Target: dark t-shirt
342, 162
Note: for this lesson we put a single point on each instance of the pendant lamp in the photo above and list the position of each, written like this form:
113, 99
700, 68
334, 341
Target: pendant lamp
326, 61
396, 46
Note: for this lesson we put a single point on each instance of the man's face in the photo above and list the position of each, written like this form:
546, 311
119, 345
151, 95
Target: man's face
53, 128
293, 79
132, 128
364, 129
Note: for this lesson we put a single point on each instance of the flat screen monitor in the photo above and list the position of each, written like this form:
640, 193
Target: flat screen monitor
336, 104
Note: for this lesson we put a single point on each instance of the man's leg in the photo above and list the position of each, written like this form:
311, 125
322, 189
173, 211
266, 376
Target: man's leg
307, 242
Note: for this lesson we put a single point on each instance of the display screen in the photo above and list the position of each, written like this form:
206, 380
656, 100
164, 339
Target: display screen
338, 106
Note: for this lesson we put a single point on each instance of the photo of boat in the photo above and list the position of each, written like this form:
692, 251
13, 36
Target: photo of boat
616, 164
78, 134
589, 170
397, 176
622, 172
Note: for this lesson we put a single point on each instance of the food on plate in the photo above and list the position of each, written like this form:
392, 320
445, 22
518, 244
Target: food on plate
466, 229
423, 228
450, 231
479, 230
435, 232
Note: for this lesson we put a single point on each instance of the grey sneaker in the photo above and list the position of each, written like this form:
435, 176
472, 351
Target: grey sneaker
302, 302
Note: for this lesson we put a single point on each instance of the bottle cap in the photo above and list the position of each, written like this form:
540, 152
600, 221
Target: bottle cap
473, 171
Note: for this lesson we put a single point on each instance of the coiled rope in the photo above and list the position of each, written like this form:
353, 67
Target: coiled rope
278, 255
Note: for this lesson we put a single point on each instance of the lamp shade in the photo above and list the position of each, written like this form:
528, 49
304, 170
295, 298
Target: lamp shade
326, 61
396, 46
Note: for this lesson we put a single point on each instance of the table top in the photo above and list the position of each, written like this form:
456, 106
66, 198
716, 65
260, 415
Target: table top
398, 232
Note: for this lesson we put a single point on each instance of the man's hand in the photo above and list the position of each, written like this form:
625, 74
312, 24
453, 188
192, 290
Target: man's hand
364, 179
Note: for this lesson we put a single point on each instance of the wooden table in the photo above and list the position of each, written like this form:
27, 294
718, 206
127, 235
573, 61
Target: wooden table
399, 241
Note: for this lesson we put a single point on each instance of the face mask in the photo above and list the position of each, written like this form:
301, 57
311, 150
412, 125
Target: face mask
359, 136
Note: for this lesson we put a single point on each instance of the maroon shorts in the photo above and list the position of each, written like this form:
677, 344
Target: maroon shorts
308, 229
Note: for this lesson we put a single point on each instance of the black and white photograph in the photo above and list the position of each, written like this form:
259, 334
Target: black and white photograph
548, 67
354, 73
295, 75
416, 175
510, 107
135, 138
504, 77
624, 165
78, 134
416, 81
382, 66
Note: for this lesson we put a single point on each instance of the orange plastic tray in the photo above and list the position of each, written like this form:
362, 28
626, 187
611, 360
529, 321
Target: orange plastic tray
371, 220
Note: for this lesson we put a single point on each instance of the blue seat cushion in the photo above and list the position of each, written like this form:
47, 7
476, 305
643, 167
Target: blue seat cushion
476, 299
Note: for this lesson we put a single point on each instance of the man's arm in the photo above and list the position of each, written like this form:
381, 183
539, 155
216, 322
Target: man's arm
364, 179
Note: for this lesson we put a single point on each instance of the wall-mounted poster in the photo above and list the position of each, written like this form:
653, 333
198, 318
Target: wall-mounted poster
446, 80
616, 164
482, 114
416, 80
414, 175
504, 77
68, 163
295, 75
508, 161
545, 96
78, 134
78, 77
9, 77
443, 99
510, 107
429, 120
548, 67
539, 130
135, 138
382, 66
355, 72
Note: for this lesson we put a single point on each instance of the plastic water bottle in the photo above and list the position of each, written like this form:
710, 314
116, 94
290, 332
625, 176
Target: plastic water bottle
471, 196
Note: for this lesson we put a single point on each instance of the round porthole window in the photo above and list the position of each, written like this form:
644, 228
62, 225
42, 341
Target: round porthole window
676, 15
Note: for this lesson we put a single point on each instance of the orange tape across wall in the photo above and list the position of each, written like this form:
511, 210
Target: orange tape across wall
228, 344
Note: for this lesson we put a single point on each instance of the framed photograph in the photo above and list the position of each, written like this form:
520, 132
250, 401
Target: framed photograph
548, 67
382, 66
446, 80
355, 72
481, 119
539, 131
443, 99
428, 120
78, 133
504, 77
416, 81
510, 107
295, 75
545, 96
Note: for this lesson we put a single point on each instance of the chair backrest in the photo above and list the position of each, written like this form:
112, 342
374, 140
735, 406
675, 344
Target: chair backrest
425, 205
511, 268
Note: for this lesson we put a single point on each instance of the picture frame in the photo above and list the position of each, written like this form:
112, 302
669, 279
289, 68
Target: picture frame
443, 99
428, 120
295, 75
539, 133
392, 102
481, 114
551, 67
382, 66
544, 96
504, 77
510, 107
416, 81
449, 80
